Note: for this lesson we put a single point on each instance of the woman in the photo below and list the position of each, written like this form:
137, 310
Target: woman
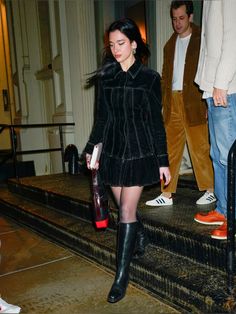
129, 124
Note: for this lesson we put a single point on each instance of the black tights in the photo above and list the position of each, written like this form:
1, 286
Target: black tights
127, 199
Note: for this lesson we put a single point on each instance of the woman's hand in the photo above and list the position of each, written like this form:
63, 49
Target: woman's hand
88, 159
165, 175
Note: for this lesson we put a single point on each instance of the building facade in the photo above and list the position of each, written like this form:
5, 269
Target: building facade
48, 48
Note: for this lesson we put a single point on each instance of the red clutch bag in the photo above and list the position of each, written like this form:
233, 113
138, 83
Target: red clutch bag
100, 201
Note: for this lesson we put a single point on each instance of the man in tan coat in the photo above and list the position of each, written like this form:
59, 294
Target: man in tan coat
184, 110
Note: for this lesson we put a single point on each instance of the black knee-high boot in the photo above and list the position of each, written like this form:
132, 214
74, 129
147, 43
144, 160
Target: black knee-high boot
141, 240
126, 243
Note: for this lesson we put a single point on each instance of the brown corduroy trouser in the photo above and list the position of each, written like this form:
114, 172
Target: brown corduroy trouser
197, 138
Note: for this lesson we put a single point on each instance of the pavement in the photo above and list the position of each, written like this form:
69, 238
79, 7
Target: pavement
42, 277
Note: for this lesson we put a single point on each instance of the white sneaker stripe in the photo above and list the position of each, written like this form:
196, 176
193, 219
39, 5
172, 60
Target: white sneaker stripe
160, 201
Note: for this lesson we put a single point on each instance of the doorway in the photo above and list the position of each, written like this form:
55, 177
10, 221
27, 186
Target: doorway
6, 83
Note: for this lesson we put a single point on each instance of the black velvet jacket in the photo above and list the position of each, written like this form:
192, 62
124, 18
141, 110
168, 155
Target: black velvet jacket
129, 120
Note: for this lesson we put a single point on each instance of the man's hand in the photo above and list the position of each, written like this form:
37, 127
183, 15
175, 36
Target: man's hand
220, 97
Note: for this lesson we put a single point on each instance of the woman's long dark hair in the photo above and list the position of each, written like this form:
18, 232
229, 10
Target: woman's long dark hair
129, 28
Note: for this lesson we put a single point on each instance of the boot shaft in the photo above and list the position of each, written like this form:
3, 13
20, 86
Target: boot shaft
126, 243
141, 240
127, 233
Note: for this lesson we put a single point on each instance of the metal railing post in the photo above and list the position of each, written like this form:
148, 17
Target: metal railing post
13, 145
231, 218
62, 149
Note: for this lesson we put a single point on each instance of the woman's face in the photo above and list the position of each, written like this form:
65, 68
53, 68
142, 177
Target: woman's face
122, 49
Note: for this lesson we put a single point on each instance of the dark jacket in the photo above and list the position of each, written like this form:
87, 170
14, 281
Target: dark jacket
129, 120
195, 107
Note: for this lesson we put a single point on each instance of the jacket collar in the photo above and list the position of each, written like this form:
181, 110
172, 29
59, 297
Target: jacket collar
133, 70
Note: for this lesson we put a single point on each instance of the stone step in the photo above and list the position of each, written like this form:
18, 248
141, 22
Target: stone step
189, 285
170, 227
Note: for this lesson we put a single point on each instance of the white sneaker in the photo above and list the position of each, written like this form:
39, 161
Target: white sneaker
8, 308
206, 198
160, 201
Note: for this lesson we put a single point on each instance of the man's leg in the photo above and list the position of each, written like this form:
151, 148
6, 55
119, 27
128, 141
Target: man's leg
222, 126
199, 148
176, 139
222, 123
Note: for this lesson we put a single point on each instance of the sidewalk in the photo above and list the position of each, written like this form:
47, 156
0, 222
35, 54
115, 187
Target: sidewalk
42, 277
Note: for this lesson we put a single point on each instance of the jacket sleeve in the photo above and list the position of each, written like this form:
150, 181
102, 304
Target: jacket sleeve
226, 69
96, 135
156, 123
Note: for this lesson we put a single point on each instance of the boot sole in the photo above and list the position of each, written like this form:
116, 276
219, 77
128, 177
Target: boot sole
209, 223
115, 300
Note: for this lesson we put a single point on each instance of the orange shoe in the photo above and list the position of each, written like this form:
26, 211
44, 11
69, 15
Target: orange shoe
220, 233
210, 218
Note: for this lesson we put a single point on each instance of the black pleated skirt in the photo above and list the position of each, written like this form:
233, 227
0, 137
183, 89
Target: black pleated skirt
136, 172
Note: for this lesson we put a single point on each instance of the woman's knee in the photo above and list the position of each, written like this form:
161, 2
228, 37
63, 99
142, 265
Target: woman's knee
127, 213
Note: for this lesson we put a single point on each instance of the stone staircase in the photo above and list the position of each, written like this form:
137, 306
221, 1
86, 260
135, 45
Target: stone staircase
7, 169
182, 264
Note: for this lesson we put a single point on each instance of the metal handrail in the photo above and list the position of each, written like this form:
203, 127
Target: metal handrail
12, 128
231, 218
